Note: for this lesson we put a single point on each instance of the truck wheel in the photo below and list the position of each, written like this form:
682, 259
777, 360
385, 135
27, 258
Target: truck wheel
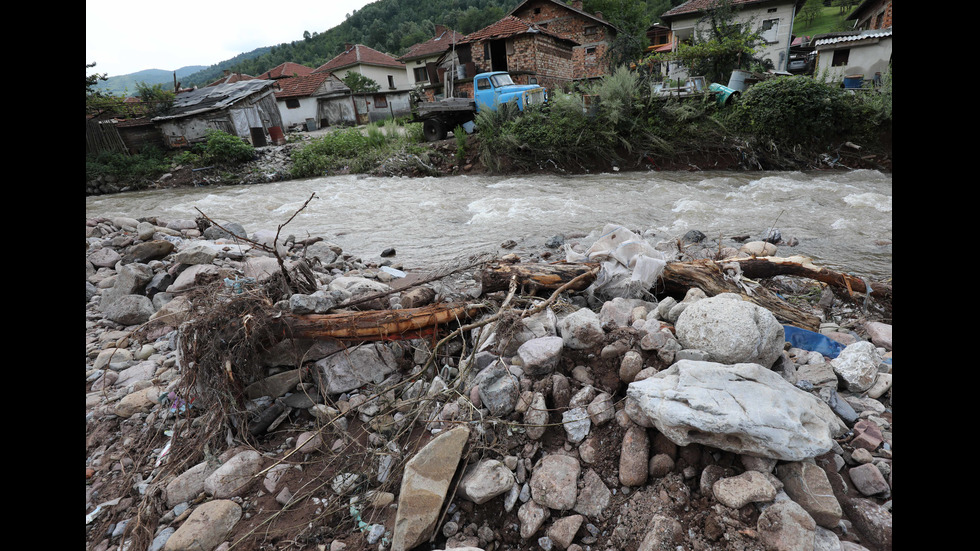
433, 130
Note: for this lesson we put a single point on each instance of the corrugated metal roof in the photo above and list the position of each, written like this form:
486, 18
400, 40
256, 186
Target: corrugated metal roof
211, 98
834, 38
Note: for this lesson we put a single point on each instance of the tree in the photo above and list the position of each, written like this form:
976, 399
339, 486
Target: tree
154, 96
92, 80
359, 83
721, 44
811, 10
632, 18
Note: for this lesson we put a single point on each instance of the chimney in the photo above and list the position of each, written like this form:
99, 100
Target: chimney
347, 46
440, 29
577, 4
598, 14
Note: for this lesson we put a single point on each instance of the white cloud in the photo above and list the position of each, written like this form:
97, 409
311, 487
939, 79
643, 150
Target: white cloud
123, 37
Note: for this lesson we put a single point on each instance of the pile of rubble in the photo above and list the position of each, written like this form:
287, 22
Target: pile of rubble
543, 417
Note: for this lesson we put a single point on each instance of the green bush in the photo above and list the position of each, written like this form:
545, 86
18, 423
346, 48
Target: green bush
149, 164
796, 110
223, 148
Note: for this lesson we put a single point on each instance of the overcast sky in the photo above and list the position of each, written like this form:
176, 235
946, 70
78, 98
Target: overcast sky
123, 36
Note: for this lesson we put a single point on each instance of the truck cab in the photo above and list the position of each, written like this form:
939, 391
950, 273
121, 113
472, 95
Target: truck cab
495, 88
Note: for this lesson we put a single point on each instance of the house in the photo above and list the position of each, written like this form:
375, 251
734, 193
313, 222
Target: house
421, 60
387, 71
531, 54
246, 108
872, 14
660, 38
863, 55
591, 32
349, 109
297, 97
285, 70
773, 19
230, 77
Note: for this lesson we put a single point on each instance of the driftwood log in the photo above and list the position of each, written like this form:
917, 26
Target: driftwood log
712, 277
497, 276
371, 325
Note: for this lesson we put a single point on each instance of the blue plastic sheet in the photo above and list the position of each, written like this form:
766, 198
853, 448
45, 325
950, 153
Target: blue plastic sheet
814, 342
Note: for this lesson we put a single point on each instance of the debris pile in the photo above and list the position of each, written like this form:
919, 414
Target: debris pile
252, 392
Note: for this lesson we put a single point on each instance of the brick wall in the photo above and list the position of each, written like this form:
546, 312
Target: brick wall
592, 37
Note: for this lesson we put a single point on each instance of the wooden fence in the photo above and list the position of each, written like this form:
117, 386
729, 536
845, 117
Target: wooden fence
103, 137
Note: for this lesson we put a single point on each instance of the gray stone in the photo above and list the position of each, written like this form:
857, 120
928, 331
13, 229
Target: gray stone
554, 481
531, 516
350, 369
539, 356
593, 497
576, 423
731, 331
581, 329
130, 310
857, 366
425, 483
486, 480
499, 389
807, 484
785, 526
206, 527
742, 408
230, 479
748, 487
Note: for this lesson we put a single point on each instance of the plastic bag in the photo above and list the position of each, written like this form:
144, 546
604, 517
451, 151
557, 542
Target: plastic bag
628, 264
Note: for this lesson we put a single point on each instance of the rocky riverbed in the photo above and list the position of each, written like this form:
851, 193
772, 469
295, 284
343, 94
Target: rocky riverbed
589, 420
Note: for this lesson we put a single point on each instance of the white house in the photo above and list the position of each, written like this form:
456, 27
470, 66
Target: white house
387, 71
421, 59
773, 19
297, 97
852, 53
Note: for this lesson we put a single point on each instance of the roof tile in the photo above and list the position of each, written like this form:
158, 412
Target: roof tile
356, 55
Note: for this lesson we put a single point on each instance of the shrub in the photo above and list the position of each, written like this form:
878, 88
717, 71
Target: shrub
796, 110
149, 164
223, 148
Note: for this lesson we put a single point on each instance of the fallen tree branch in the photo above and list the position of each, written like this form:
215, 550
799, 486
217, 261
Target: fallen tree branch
368, 325
769, 266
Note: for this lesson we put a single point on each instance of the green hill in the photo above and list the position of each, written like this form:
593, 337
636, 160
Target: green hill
126, 84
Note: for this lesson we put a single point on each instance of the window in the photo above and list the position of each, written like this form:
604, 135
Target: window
381, 102
769, 29
590, 51
420, 74
840, 57
292, 103
486, 50
391, 81
590, 29
483, 84
537, 11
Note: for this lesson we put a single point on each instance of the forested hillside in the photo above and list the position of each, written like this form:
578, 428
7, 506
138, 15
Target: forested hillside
392, 26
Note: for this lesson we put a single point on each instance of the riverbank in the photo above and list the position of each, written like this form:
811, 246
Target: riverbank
533, 430
273, 163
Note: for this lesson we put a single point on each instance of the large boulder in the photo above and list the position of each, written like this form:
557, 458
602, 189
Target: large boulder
731, 330
743, 408
424, 486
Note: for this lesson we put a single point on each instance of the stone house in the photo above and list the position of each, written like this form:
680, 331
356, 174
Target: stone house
872, 14
387, 71
591, 33
531, 54
772, 18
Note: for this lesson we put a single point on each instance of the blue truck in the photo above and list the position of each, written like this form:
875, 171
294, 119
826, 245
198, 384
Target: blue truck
489, 90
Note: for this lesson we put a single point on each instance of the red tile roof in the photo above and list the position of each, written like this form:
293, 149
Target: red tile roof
359, 54
437, 45
695, 6
300, 86
506, 27
287, 69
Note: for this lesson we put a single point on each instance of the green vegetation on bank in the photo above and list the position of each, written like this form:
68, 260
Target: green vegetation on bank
351, 150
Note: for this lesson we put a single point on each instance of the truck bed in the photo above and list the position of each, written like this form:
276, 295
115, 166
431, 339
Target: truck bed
444, 105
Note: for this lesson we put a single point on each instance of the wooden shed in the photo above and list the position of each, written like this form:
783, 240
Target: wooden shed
246, 109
